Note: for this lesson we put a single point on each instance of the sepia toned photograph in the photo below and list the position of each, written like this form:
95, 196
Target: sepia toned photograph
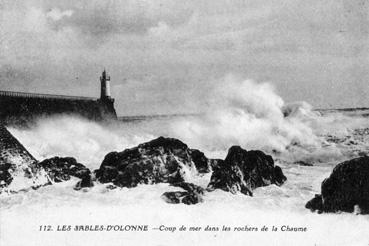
168, 122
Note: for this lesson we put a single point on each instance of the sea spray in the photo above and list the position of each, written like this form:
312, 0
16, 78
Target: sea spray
294, 131
245, 113
235, 112
87, 141
252, 115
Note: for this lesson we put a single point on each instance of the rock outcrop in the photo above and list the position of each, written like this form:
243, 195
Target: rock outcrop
85, 182
162, 160
192, 194
18, 167
202, 163
19, 170
346, 189
242, 171
62, 169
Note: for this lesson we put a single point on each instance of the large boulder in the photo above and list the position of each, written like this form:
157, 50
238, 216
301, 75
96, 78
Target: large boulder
242, 171
202, 163
61, 169
346, 189
192, 194
162, 160
85, 182
18, 168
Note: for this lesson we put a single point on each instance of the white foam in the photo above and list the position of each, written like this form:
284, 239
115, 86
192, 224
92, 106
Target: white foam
240, 112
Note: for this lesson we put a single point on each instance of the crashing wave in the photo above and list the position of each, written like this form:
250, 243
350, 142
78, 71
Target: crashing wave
19, 169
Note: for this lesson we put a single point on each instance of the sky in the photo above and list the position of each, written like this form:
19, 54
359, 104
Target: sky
165, 55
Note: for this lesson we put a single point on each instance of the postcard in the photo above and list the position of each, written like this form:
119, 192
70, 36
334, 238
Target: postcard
209, 122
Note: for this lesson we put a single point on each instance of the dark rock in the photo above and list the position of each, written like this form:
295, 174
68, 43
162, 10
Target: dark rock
61, 169
315, 204
192, 198
303, 163
85, 182
279, 177
228, 178
5, 176
111, 187
17, 163
203, 164
161, 160
192, 194
346, 188
174, 197
242, 171
214, 163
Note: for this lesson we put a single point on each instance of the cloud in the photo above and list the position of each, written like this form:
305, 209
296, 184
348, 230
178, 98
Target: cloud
101, 18
56, 14
176, 49
162, 29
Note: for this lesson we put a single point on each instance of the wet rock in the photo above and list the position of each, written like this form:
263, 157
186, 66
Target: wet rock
228, 178
111, 187
345, 189
214, 163
202, 163
174, 197
17, 165
19, 170
303, 163
162, 160
63, 168
85, 182
279, 177
5, 176
315, 204
242, 171
192, 195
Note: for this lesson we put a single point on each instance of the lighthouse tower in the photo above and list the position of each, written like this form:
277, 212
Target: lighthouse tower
106, 102
105, 86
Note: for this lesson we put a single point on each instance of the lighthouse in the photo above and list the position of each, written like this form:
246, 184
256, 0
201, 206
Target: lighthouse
105, 86
106, 102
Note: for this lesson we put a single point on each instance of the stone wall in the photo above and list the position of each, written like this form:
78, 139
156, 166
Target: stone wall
21, 109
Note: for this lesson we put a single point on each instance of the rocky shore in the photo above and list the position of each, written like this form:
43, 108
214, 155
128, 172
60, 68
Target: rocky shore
169, 160
162, 160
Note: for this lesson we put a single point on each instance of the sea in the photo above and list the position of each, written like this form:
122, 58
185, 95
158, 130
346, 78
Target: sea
306, 142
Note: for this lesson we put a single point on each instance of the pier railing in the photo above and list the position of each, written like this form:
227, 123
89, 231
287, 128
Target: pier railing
38, 95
